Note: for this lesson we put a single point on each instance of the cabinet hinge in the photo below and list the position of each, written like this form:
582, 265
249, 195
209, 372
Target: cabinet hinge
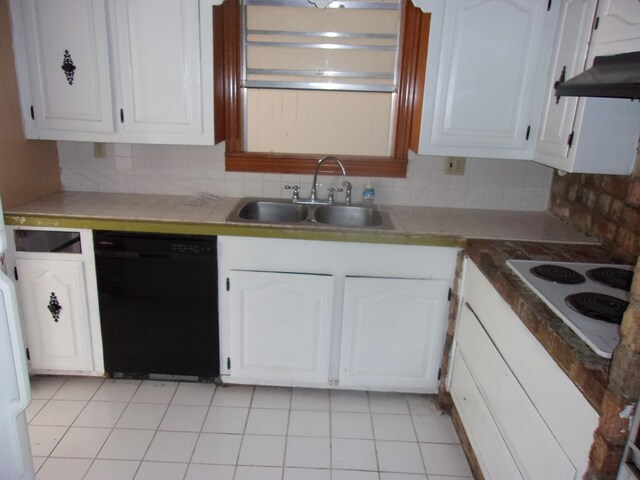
596, 23
528, 133
439, 373
570, 141
549, 5
449, 295
28, 355
228, 363
228, 284
33, 115
15, 273
121, 116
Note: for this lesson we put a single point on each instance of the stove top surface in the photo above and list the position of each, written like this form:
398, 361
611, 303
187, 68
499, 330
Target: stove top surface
589, 297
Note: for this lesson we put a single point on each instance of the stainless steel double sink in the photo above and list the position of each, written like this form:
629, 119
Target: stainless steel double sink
285, 212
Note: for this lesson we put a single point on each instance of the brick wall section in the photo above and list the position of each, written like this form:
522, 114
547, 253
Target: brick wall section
605, 206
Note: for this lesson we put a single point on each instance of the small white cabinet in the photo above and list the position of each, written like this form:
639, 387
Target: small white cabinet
116, 71
56, 283
281, 326
618, 27
485, 81
346, 315
579, 134
388, 331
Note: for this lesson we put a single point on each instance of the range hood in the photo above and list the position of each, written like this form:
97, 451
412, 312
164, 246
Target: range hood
614, 76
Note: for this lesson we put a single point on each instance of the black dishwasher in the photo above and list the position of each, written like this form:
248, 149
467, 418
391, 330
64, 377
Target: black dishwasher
158, 304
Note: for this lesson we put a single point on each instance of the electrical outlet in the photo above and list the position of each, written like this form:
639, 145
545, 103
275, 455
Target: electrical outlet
99, 150
454, 165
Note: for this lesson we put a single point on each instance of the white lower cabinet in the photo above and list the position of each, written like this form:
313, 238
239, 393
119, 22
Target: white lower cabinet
317, 314
282, 326
54, 304
524, 417
388, 329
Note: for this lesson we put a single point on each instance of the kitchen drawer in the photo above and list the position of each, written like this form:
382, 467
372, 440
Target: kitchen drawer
531, 443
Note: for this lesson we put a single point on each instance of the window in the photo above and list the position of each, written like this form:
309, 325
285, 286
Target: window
295, 81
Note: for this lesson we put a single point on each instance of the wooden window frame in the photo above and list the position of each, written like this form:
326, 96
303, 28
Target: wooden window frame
408, 106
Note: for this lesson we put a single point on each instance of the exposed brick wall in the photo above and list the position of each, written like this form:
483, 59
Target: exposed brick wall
605, 206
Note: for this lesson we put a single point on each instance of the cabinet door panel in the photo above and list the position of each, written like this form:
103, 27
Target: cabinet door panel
65, 343
280, 327
158, 50
393, 331
618, 27
79, 28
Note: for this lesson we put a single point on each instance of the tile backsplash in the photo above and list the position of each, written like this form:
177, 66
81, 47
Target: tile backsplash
186, 170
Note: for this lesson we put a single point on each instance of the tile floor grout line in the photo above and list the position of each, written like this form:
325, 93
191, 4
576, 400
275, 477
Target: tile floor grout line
244, 431
286, 434
415, 432
373, 434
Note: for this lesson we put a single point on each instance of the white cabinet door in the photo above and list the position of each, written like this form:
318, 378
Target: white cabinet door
494, 58
393, 332
158, 52
68, 58
54, 307
618, 27
280, 328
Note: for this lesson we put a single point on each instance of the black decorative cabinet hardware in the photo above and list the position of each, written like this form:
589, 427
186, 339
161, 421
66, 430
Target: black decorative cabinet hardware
68, 67
54, 307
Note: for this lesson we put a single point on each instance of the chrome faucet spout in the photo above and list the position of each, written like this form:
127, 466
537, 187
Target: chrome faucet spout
314, 186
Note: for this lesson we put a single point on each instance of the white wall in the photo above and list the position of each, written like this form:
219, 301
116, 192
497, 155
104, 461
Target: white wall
186, 170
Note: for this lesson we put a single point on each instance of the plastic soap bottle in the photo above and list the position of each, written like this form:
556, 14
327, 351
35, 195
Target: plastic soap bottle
368, 194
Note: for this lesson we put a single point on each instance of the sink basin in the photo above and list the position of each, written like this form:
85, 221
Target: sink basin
273, 211
344, 216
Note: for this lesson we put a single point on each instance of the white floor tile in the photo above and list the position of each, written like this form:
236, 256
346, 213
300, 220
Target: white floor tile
351, 425
435, 429
63, 469
125, 444
271, 397
217, 449
183, 418
422, 405
306, 474
403, 476
352, 454
308, 452
303, 423
225, 420
199, 394
155, 392
382, 402
262, 450
209, 472
354, 475
81, 442
43, 439
142, 415
78, 388
120, 390
172, 447
34, 407
442, 459
267, 421
309, 399
112, 470
161, 471
233, 396
401, 457
37, 463
45, 387
59, 412
393, 427
100, 414
349, 401
258, 473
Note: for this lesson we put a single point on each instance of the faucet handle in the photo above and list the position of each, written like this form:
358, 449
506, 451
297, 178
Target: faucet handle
295, 189
348, 186
331, 195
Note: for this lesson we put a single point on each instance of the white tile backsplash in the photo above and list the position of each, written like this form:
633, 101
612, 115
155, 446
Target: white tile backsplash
187, 170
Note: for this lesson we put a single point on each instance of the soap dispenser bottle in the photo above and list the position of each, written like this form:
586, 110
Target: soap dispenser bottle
368, 194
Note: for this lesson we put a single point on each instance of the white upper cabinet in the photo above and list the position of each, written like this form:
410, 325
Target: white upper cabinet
589, 135
618, 27
483, 95
68, 57
117, 70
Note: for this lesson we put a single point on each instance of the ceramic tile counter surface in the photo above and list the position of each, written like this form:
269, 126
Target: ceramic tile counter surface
172, 214
587, 370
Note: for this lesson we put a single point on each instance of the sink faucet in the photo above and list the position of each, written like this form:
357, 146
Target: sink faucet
314, 187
